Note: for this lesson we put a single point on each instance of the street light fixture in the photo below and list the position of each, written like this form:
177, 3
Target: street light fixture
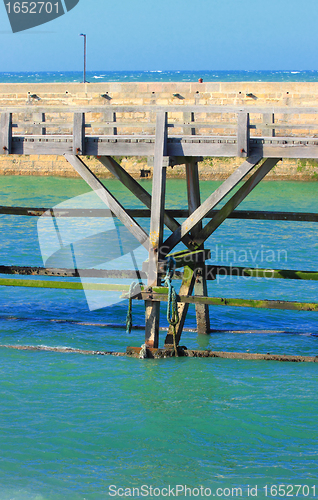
84, 72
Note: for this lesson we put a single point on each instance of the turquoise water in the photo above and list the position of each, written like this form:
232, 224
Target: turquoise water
161, 76
72, 426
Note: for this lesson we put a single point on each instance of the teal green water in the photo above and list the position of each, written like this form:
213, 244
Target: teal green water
71, 426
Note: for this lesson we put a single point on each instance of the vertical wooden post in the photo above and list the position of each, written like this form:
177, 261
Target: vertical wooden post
268, 118
156, 227
243, 134
110, 116
5, 133
186, 288
200, 286
188, 117
40, 130
79, 134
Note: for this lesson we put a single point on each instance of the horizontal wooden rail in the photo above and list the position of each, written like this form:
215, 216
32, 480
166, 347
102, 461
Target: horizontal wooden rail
144, 213
161, 294
63, 285
210, 273
181, 108
72, 273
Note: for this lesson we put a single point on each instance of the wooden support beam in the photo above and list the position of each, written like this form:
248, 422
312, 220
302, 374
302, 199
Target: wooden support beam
133, 227
210, 203
127, 180
79, 134
144, 213
39, 129
268, 119
200, 287
243, 134
161, 294
186, 288
156, 228
188, 117
5, 133
110, 116
236, 199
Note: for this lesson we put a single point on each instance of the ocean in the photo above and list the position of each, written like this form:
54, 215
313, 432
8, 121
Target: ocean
161, 76
83, 427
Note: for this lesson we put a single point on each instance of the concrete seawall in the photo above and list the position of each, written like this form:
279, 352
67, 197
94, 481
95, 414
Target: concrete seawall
247, 94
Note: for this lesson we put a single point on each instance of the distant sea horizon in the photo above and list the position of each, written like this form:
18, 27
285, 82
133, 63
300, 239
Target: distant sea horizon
160, 76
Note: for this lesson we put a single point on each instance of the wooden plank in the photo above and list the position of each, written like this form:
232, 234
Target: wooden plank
156, 228
243, 134
236, 199
144, 213
268, 119
210, 203
5, 133
79, 134
110, 117
186, 288
104, 194
285, 151
38, 128
292, 274
71, 273
63, 285
200, 286
155, 109
188, 117
162, 296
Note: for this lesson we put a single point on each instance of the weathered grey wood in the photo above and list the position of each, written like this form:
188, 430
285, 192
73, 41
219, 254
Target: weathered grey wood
144, 213
59, 145
158, 199
210, 203
188, 117
138, 232
268, 119
38, 128
243, 134
186, 289
285, 151
155, 109
236, 199
203, 148
140, 193
79, 134
156, 228
5, 133
107, 125
200, 287
110, 117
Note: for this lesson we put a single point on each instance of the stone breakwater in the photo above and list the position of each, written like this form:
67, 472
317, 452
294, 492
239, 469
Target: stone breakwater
105, 95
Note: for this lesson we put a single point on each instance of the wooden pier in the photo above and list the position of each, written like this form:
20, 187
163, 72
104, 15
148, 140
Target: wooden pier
174, 135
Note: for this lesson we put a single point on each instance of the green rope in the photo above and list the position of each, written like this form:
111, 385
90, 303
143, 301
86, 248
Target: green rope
129, 312
172, 305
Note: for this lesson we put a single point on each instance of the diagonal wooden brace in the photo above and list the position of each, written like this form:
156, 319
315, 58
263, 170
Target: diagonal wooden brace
127, 180
236, 199
210, 203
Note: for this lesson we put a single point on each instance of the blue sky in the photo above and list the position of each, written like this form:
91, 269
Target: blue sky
169, 35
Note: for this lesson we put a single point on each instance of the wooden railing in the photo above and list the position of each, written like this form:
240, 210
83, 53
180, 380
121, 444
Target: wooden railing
191, 131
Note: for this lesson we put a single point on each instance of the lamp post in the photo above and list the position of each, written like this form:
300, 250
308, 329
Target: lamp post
84, 72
